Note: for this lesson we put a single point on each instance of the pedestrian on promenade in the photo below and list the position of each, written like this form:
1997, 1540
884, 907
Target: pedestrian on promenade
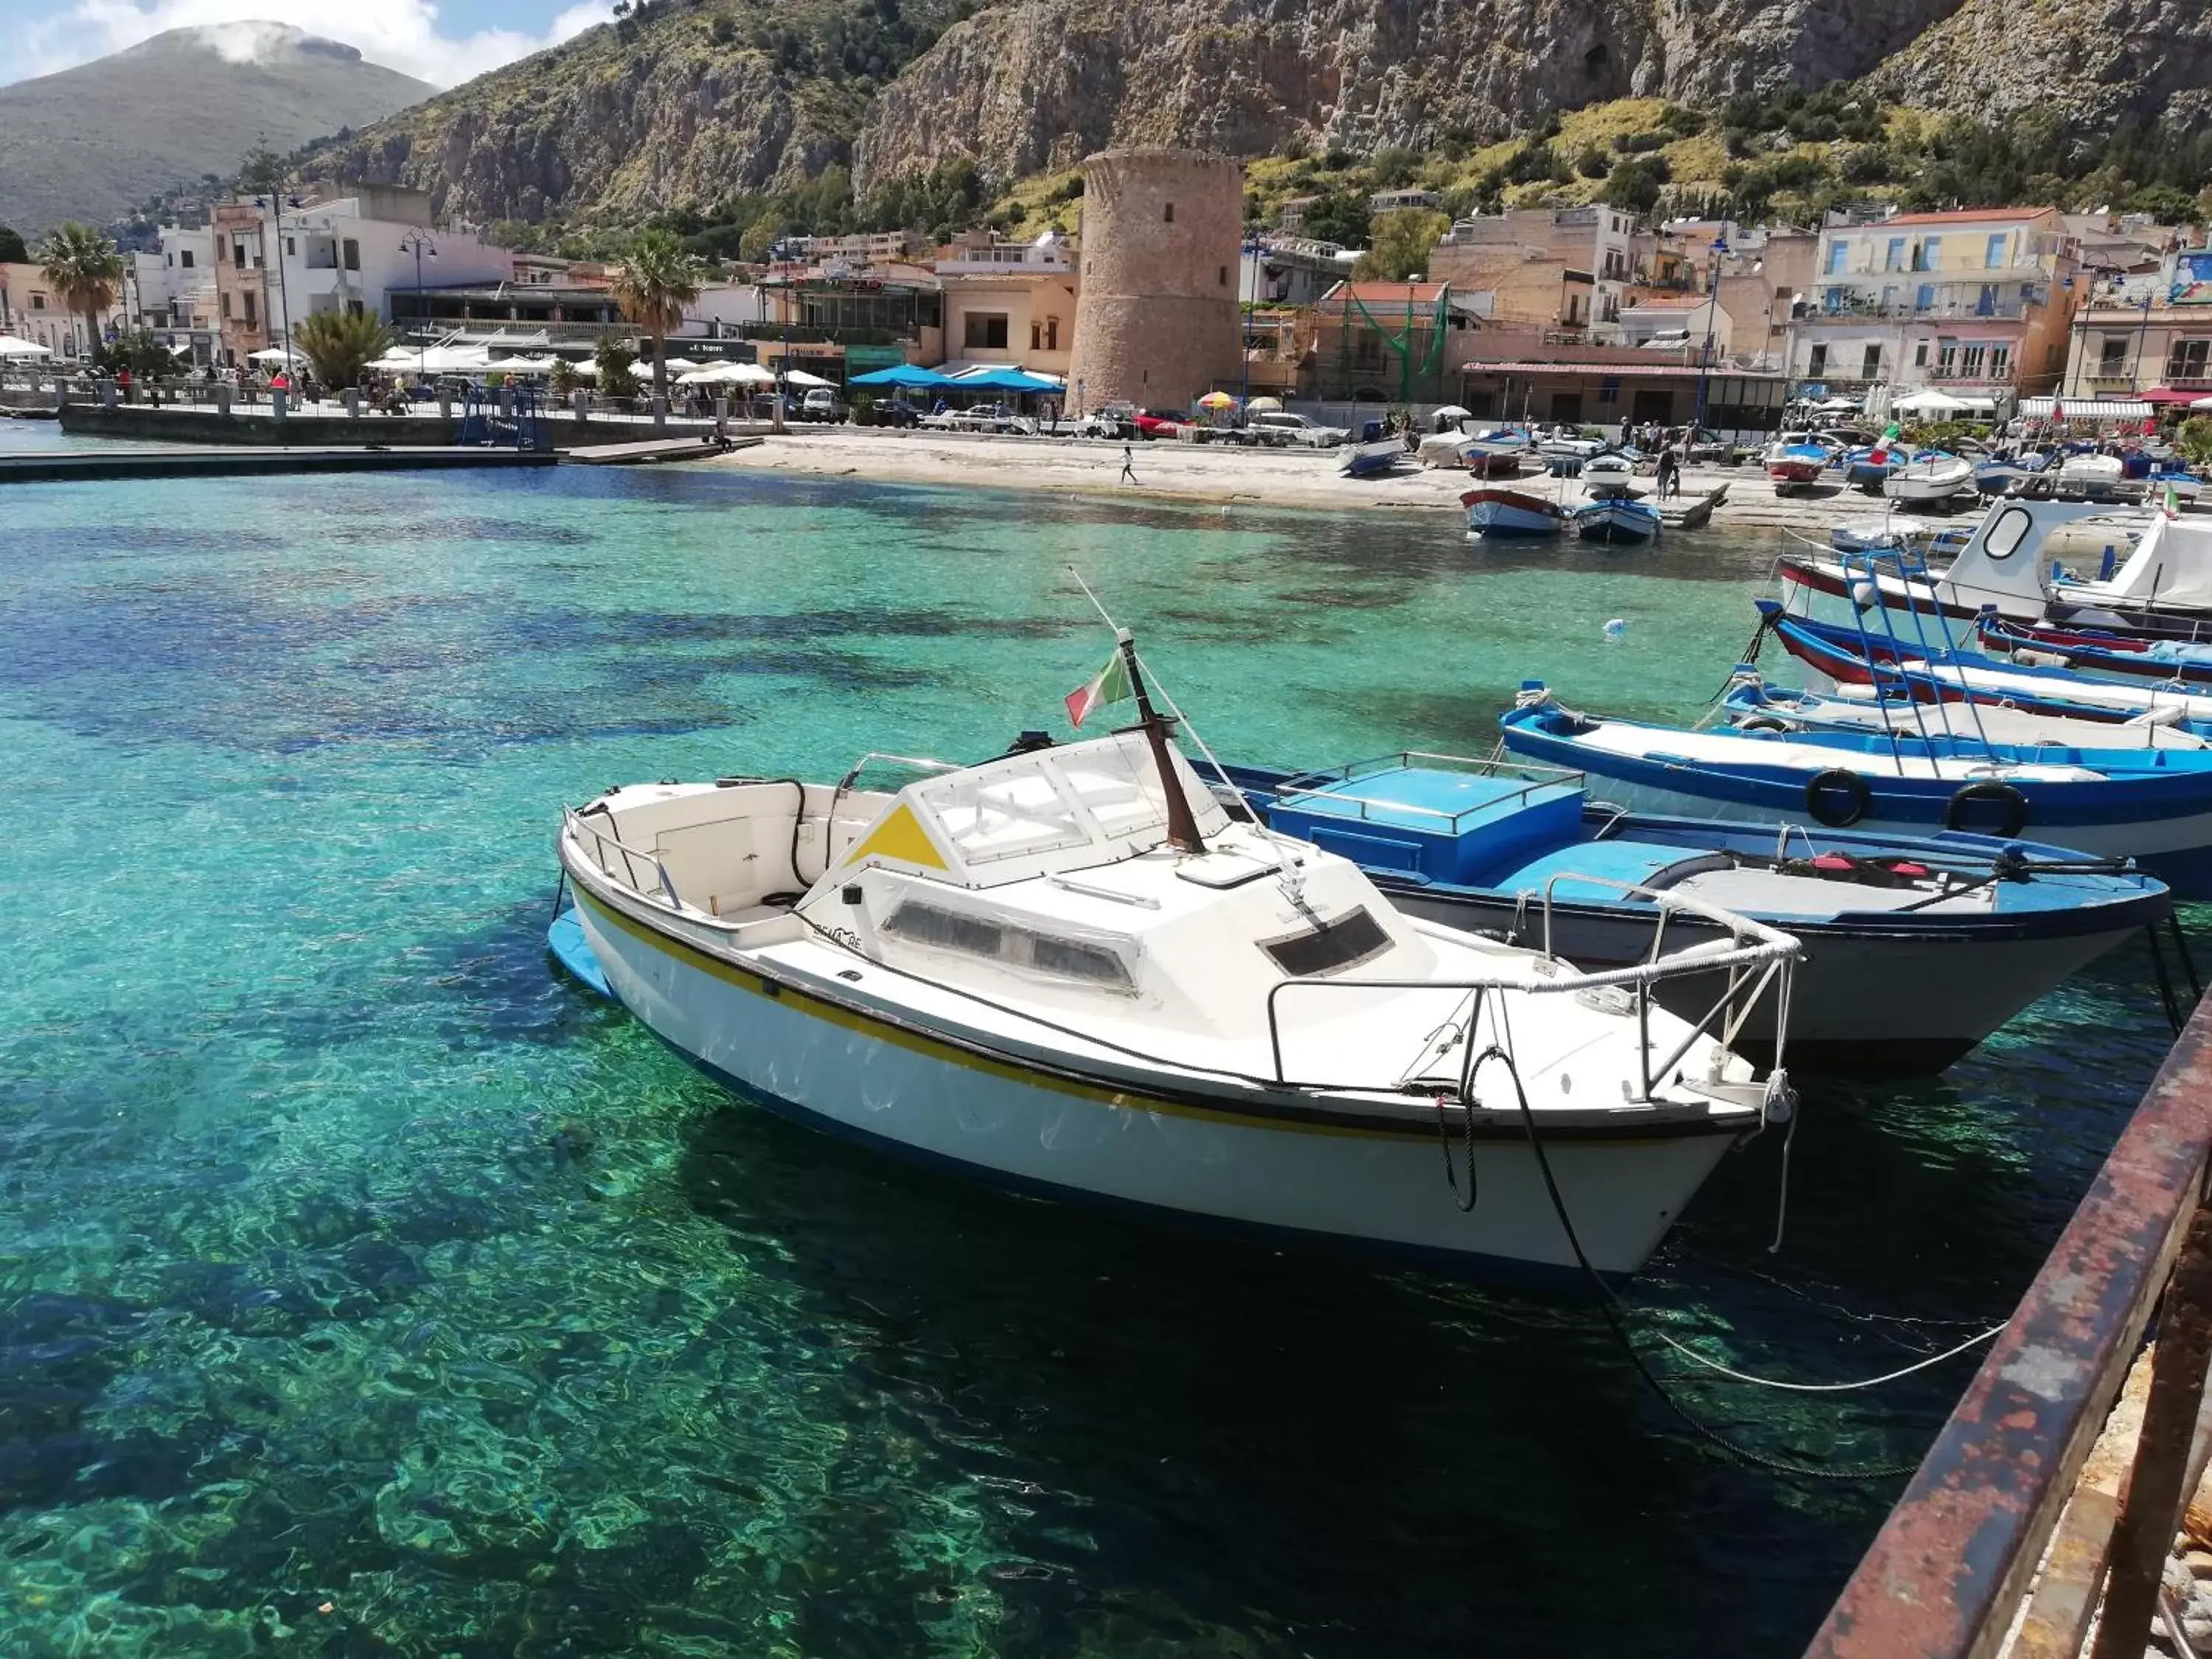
1128, 470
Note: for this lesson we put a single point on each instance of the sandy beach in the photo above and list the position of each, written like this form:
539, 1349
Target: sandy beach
1217, 474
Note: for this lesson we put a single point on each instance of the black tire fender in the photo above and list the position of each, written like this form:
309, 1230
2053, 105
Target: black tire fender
1821, 802
1990, 789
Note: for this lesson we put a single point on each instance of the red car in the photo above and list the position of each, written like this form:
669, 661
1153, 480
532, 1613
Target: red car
1161, 423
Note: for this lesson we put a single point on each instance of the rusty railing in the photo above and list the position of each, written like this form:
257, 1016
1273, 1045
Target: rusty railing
1946, 1576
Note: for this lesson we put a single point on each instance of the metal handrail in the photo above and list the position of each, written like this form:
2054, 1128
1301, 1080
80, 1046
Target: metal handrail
1769, 955
575, 822
888, 759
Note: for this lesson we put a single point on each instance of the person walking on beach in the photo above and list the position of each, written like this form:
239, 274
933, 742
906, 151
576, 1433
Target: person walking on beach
1129, 468
1669, 473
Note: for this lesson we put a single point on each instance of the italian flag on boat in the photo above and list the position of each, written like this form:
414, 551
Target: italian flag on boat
1110, 685
1880, 456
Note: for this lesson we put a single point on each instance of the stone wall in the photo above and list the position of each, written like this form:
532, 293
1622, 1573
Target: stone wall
1156, 319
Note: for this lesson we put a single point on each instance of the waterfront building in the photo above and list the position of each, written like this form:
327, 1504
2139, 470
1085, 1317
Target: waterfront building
172, 294
1010, 303
1562, 269
30, 309
1156, 319
1291, 270
1973, 302
2144, 333
1504, 374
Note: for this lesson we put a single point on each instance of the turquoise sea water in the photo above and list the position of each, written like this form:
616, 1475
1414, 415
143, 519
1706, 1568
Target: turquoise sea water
368, 1289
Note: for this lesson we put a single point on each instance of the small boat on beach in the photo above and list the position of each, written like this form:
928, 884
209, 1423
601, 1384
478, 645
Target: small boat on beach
1493, 511
1796, 466
1069, 972
1609, 474
1929, 479
1861, 470
1915, 948
1617, 521
1372, 460
2089, 478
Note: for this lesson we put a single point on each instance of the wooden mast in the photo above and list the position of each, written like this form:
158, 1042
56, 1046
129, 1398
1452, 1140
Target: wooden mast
1182, 824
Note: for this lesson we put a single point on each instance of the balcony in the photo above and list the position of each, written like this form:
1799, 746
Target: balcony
1021, 261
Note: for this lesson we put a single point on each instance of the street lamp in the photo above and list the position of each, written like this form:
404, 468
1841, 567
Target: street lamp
1713, 256
418, 242
277, 203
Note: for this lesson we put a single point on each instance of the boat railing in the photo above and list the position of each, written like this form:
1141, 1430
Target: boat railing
1294, 790
1757, 960
880, 757
579, 827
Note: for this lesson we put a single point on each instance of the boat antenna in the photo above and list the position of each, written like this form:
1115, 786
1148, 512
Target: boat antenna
1182, 823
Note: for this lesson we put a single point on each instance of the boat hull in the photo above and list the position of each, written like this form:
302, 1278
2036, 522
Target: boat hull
1511, 513
1867, 1001
1623, 523
1208, 1160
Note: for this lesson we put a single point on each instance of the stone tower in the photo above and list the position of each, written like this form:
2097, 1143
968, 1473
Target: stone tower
1156, 319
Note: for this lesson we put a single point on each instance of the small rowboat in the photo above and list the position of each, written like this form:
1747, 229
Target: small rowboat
1609, 475
1927, 479
1617, 521
1796, 466
1495, 512
1372, 460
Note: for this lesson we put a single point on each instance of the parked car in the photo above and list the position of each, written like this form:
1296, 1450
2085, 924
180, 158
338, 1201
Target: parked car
822, 403
1284, 429
1160, 422
893, 411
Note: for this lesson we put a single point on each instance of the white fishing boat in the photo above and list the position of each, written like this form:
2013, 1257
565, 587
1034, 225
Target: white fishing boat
1446, 449
1371, 460
1068, 972
2091, 477
1926, 479
1607, 475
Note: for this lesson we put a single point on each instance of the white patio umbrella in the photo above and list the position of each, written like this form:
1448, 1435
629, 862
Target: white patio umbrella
682, 365
270, 355
12, 346
1929, 401
799, 377
727, 375
523, 365
2200, 403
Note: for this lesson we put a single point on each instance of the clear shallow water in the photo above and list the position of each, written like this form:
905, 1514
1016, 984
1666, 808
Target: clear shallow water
352, 1260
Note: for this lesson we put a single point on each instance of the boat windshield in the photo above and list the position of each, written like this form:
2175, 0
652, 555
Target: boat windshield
1056, 808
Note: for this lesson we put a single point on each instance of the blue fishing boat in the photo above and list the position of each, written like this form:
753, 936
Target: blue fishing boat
1617, 521
1864, 470
1797, 464
1915, 948
2154, 805
1493, 511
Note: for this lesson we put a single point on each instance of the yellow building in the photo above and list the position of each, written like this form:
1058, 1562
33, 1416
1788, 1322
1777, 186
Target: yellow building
1010, 303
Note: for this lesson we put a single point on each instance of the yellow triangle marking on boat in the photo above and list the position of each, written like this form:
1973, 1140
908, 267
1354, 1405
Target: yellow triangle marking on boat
899, 837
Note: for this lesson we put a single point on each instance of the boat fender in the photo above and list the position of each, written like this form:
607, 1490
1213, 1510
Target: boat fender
1763, 723
1822, 797
2013, 818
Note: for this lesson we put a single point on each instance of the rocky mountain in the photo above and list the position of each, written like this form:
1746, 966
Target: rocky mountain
94, 142
695, 101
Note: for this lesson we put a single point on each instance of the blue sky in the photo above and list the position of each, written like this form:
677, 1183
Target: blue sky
442, 41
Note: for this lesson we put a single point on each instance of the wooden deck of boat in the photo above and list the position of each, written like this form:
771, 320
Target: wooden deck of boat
55, 466
648, 451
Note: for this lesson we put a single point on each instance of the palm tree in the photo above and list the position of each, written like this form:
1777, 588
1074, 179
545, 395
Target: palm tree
653, 285
341, 343
85, 269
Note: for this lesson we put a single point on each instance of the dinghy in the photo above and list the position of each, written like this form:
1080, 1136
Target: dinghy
1915, 950
1926, 480
1372, 460
1495, 512
1617, 521
1069, 972
1868, 468
2091, 477
1607, 475
1798, 465
1752, 705
2152, 805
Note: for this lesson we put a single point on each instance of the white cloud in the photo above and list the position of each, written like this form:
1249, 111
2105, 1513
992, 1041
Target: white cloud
400, 34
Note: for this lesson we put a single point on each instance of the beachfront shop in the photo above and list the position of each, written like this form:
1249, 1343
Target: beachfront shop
1606, 394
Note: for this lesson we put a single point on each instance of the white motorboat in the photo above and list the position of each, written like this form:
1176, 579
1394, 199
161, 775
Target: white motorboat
1069, 972
1446, 449
2091, 477
1930, 479
1371, 460
1607, 475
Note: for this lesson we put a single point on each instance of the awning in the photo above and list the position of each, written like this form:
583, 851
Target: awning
10, 346
1608, 371
2085, 409
2167, 394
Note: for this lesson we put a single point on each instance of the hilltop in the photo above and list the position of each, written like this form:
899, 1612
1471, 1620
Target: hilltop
94, 142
